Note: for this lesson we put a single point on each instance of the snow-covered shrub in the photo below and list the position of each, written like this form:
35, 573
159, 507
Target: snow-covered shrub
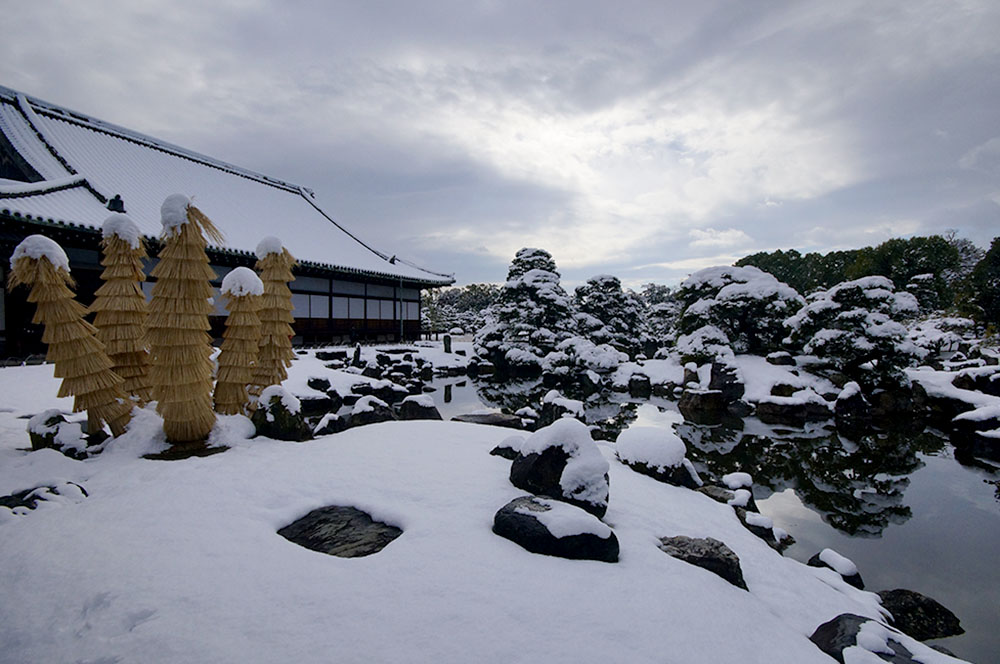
855, 327
579, 354
609, 315
942, 334
705, 344
531, 316
746, 304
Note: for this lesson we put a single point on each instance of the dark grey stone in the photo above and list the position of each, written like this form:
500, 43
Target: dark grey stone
726, 379
378, 413
639, 386
834, 636
411, 410
919, 616
527, 531
540, 474
334, 424
707, 553
30, 498
724, 495
493, 419
854, 580
273, 420
795, 413
702, 406
345, 532
508, 453
41, 441
327, 355
319, 384
677, 475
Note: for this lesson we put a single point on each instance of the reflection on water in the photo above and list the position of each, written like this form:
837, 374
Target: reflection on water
899, 504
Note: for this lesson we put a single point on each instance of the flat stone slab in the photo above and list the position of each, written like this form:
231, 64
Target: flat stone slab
346, 532
493, 419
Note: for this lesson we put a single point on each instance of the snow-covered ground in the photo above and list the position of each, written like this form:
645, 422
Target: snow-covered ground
179, 561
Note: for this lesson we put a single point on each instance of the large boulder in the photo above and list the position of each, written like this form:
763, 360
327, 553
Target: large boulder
562, 461
346, 532
702, 406
839, 564
554, 528
727, 379
279, 416
919, 616
879, 641
707, 553
418, 407
659, 453
804, 406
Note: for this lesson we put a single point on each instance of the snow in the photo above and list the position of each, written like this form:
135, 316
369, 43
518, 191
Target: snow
851, 389
422, 400
122, 226
759, 520
36, 424
981, 414
565, 520
15, 187
242, 281
288, 400
741, 498
655, 447
737, 480
119, 575
838, 563
37, 247
269, 245
173, 212
583, 476
873, 638
572, 406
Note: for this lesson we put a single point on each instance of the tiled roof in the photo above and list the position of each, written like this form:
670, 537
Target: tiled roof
84, 162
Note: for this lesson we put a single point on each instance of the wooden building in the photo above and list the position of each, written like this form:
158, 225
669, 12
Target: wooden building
62, 173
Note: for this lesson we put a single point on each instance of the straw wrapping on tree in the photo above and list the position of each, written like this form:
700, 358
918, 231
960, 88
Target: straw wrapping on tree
241, 341
274, 264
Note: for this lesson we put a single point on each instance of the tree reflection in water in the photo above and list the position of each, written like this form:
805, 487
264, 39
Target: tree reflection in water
857, 485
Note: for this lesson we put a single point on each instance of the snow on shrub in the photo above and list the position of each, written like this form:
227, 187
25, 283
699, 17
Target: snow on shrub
609, 315
705, 344
855, 327
941, 334
531, 316
579, 354
746, 304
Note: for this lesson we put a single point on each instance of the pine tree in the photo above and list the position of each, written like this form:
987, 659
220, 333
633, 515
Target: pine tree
120, 305
181, 374
274, 264
79, 357
241, 340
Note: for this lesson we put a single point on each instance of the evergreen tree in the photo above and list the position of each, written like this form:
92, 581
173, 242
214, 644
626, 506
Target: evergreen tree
79, 358
985, 281
241, 340
609, 315
181, 373
120, 306
274, 264
531, 316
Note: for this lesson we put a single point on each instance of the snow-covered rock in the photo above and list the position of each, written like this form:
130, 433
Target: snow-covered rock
555, 528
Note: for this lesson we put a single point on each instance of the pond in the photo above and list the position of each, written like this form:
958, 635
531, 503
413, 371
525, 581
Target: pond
900, 505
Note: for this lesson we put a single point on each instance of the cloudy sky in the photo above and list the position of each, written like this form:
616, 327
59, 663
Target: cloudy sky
641, 139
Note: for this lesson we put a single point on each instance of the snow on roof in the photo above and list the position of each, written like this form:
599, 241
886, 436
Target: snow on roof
84, 162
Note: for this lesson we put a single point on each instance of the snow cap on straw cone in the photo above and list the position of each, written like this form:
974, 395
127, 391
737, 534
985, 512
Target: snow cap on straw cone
274, 263
242, 289
181, 373
79, 357
120, 306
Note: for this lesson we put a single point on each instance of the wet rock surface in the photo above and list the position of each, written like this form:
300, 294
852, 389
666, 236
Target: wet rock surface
707, 553
919, 616
346, 532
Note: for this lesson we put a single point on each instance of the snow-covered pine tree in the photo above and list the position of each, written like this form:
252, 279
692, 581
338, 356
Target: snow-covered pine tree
531, 316
242, 289
609, 315
79, 358
181, 372
274, 264
855, 327
120, 307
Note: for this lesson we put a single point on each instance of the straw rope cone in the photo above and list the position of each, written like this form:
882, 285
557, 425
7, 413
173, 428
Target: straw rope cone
121, 312
275, 355
79, 357
241, 340
181, 371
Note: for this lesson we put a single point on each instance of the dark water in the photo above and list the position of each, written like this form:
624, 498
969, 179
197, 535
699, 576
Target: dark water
900, 505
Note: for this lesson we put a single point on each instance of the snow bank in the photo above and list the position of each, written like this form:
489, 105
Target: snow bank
37, 247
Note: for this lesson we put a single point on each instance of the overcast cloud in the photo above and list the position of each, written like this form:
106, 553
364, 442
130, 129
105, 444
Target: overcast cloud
641, 139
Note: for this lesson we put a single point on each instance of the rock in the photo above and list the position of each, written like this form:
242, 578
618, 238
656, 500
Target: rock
727, 496
447, 343
702, 406
781, 359
29, 498
728, 380
678, 476
345, 532
391, 393
739, 409
761, 526
835, 636
418, 408
508, 453
783, 390
319, 384
691, 374
919, 616
329, 424
546, 454
794, 412
707, 553
492, 419
369, 410
42, 429
372, 371
279, 416
328, 355
845, 568
851, 410
356, 358
984, 379
639, 386
312, 406
521, 522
